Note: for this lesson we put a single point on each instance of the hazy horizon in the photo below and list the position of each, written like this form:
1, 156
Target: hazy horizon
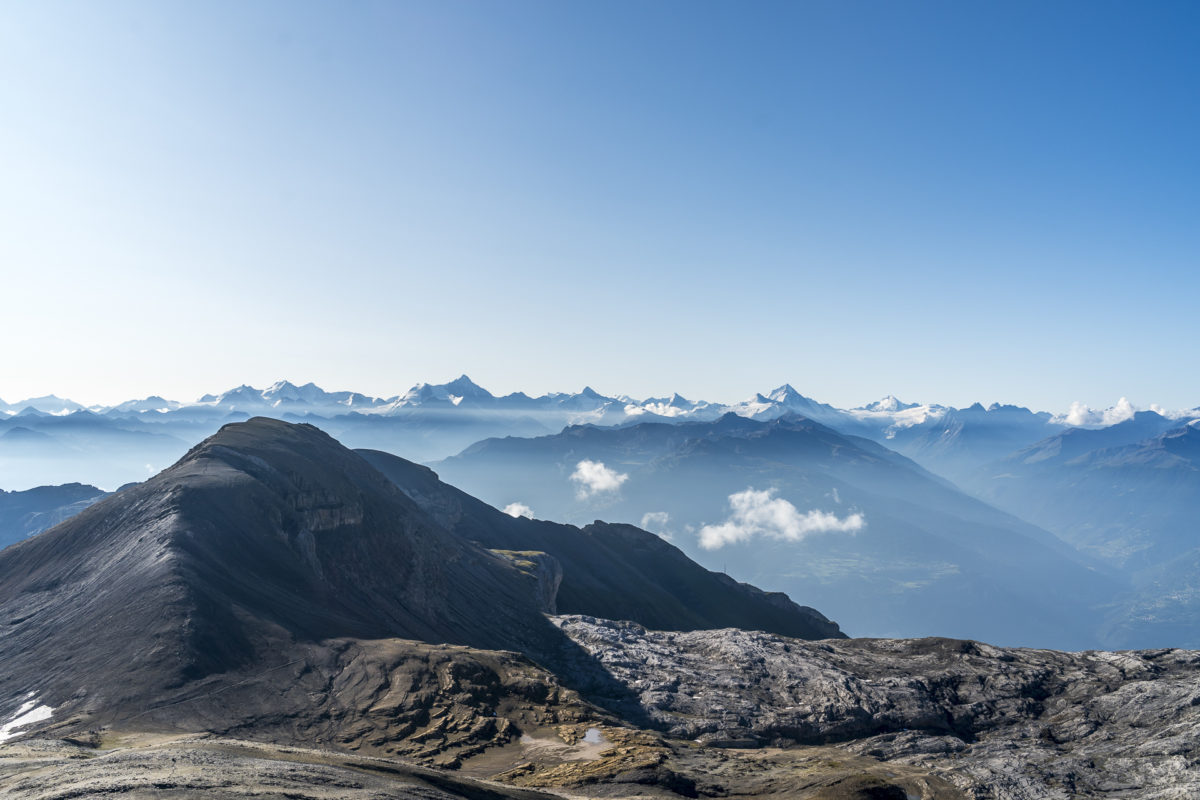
727, 399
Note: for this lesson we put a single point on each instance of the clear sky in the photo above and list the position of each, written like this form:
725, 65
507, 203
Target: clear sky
949, 201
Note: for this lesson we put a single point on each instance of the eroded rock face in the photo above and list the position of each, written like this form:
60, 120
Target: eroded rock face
999, 723
434, 704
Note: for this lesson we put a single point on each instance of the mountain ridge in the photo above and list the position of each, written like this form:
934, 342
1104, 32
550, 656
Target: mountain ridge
923, 554
287, 397
434, 421
269, 544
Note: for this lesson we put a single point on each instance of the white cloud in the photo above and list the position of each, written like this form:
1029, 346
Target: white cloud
1122, 411
1179, 413
593, 477
1081, 416
756, 513
518, 510
656, 522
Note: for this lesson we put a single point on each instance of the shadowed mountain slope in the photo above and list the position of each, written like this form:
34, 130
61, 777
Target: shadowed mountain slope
926, 558
264, 536
612, 571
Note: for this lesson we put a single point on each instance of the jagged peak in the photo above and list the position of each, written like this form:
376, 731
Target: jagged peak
464, 386
785, 391
889, 403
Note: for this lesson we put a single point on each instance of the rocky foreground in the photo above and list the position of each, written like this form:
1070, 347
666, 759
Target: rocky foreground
722, 713
1002, 723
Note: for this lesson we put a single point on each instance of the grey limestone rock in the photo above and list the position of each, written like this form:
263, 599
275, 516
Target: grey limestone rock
1003, 723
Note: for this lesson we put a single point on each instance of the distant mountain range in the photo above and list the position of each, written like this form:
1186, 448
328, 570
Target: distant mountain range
23, 514
46, 440
1127, 495
887, 547
888, 415
1119, 488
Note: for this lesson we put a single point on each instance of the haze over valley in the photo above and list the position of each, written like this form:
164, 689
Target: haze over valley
995, 523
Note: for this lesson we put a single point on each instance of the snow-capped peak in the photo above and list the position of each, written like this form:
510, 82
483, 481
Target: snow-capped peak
786, 395
49, 404
464, 387
152, 403
891, 403
455, 393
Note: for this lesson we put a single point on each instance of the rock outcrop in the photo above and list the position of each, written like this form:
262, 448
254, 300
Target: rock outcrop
1002, 723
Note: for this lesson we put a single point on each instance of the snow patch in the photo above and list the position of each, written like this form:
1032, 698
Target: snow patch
27, 714
905, 417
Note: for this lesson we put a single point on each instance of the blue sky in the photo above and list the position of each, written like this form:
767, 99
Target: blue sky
947, 201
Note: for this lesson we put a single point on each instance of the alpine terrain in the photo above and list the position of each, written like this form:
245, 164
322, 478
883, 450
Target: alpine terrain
278, 616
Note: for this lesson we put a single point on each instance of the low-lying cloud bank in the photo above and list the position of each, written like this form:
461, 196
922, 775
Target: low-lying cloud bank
760, 513
1080, 415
